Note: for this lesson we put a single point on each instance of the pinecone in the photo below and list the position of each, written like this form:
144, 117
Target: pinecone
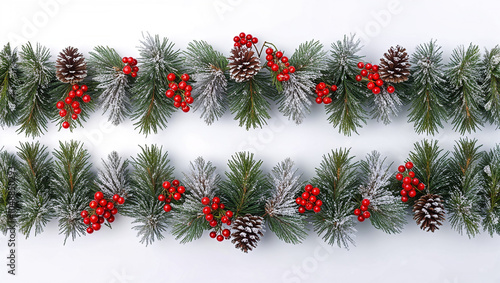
243, 64
248, 230
71, 66
394, 67
429, 212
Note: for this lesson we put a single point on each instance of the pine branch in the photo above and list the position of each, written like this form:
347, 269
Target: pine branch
9, 83
189, 221
151, 169
35, 177
151, 108
281, 210
37, 73
246, 187
490, 197
309, 62
337, 180
248, 100
465, 187
114, 177
430, 166
387, 211
490, 71
9, 196
463, 73
428, 89
346, 110
207, 68
384, 105
73, 180
114, 86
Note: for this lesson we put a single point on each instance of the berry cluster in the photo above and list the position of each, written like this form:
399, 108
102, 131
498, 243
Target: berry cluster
183, 90
362, 212
131, 67
370, 73
100, 209
171, 191
279, 65
70, 106
245, 40
309, 200
323, 92
216, 216
410, 183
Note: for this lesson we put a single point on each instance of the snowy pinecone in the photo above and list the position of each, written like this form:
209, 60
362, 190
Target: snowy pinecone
71, 66
247, 232
243, 64
394, 66
429, 212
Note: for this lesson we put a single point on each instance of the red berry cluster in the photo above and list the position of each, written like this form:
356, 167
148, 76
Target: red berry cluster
171, 191
245, 40
323, 92
216, 216
362, 212
410, 183
131, 67
309, 200
70, 106
279, 65
370, 73
101, 209
183, 90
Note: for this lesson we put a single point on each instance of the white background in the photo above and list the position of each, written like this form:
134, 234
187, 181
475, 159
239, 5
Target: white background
117, 256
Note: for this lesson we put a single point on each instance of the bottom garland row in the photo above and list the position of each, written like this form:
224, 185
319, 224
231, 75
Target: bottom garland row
463, 185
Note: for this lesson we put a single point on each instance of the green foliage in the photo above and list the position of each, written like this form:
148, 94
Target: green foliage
35, 178
248, 100
34, 97
346, 110
428, 89
281, 210
189, 221
151, 169
465, 187
8, 191
490, 67
151, 107
207, 67
113, 88
73, 180
114, 177
9, 82
463, 74
246, 187
490, 197
337, 179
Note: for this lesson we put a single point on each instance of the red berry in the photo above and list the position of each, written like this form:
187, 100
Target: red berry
303, 202
404, 199
284, 59
206, 210
213, 234
90, 230
106, 214
86, 98
376, 90
205, 201
116, 197
421, 186
363, 208
171, 77
269, 57
130, 60
185, 77
124, 60
189, 99
279, 54
319, 100
96, 226
399, 176
213, 223
242, 34
224, 219
319, 202
249, 44
249, 37
361, 218
93, 204
77, 111
177, 104
75, 87
370, 77
379, 82
181, 189
216, 200
375, 76
60, 105
407, 187
72, 94
74, 116
375, 68
75, 104
63, 113
185, 109
302, 209
79, 93
215, 206
236, 39
226, 233
220, 238
243, 41
222, 206
366, 214
167, 207
312, 199
401, 169
275, 68
94, 218
101, 220
68, 100
135, 69
161, 197
86, 221
315, 191
177, 196
316, 209
269, 51
364, 73
255, 40
133, 74
291, 69
327, 100
103, 202
84, 213
390, 89
406, 180
415, 181
370, 85
403, 193
166, 184
333, 88
358, 78
65, 125
121, 200
111, 219
110, 205
412, 193
298, 200
357, 212
305, 195
209, 217
368, 66
409, 165
365, 202
169, 93
411, 174
177, 98
99, 211
308, 188
361, 65
127, 70
175, 183
229, 213
237, 44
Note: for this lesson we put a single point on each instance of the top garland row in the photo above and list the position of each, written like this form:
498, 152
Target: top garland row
34, 90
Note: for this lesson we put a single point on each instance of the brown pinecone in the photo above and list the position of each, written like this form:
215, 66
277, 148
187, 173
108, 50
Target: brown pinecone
71, 66
394, 67
247, 232
429, 212
243, 64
